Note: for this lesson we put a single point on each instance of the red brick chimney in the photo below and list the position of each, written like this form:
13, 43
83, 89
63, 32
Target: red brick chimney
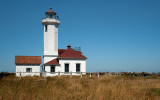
69, 46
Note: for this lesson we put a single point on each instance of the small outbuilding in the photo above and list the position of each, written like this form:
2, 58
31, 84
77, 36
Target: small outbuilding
27, 65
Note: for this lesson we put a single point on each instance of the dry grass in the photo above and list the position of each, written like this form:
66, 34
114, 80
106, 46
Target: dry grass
66, 88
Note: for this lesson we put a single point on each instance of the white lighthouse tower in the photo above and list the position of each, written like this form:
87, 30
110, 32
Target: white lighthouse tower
50, 24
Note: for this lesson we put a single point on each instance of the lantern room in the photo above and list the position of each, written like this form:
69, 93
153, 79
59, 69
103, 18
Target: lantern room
50, 14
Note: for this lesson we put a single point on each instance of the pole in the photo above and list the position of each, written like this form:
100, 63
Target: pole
98, 75
44, 75
20, 75
71, 74
58, 74
81, 74
90, 75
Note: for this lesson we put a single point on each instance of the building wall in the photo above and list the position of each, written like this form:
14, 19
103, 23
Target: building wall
51, 36
48, 69
22, 68
50, 39
72, 67
47, 59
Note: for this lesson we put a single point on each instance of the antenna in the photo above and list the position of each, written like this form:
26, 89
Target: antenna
77, 48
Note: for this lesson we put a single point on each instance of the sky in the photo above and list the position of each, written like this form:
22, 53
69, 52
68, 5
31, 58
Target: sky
115, 35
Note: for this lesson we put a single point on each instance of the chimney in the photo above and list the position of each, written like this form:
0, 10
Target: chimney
69, 46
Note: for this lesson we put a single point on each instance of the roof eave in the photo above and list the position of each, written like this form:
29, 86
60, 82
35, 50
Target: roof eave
52, 64
70, 58
26, 64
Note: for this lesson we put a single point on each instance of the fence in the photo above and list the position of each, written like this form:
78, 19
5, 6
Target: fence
58, 74
80, 74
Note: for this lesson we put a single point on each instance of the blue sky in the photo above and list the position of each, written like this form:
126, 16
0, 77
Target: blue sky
115, 35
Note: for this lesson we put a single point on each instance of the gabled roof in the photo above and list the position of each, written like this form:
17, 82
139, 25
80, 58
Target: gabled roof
71, 54
60, 51
66, 54
28, 60
53, 62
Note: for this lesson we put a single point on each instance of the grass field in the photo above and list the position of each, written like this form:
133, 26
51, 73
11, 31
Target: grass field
66, 88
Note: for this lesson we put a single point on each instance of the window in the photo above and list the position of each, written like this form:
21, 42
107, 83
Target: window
51, 15
28, 69
46, 28
78, 68
66, 67
52, 68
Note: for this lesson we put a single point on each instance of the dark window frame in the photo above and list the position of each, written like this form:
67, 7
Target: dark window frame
52, 68
66, 69
51, 15
28, 69
78, 67
46, 28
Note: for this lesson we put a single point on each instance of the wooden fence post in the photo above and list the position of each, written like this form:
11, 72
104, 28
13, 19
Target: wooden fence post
20, 75
71, 74
81, 74
98, 75
90, 75
58, 74
44, 75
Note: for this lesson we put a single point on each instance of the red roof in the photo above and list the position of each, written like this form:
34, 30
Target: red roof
60, 51
70, 53
50, 11
66, 54
53, 62
27, 59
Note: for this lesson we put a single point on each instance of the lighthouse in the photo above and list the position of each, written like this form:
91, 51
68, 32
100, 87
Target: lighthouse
59, 60
50, 24
55, 61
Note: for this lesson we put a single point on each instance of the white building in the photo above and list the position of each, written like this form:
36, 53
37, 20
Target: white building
27, 65
59, 60
55, 60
